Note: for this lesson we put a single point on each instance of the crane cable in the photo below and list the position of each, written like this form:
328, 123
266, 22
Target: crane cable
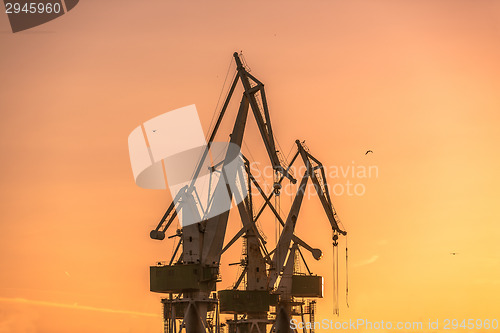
346, 275
335, 279
212, 121
220, 95
277, 205
346, 268
337, 292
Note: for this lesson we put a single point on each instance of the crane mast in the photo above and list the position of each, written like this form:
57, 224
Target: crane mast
273, 291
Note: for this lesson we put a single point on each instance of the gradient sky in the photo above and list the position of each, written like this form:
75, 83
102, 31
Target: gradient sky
417, 82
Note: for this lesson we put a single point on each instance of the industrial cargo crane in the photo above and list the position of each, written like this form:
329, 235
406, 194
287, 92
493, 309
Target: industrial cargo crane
273, 292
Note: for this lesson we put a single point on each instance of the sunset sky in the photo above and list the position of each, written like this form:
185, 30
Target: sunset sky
417, 82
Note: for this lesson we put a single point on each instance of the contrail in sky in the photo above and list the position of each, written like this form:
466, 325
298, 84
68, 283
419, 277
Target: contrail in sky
367, 261
75, 307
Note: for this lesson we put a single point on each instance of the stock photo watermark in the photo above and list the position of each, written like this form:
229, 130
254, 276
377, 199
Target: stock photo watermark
365, 324
346, 180
205, 178
27, 14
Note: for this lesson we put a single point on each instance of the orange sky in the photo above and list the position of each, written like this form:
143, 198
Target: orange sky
416, 81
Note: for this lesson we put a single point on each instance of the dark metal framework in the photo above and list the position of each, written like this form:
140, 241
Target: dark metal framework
273, 291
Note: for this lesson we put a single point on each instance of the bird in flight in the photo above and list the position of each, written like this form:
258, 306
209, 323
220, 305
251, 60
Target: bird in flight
453, 253
368, 151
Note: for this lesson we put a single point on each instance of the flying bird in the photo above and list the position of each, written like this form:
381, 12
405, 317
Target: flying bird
368, 151
453, 253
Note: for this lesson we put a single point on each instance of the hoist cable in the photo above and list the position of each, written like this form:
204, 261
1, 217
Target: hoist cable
220, 95
346, 275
